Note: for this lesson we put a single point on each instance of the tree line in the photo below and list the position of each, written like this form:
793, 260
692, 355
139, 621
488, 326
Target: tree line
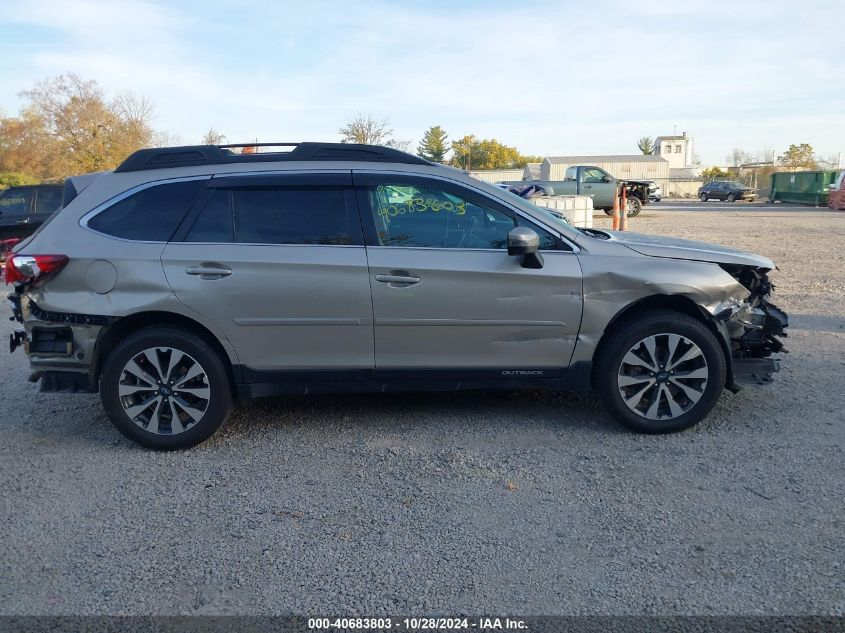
468, 152
68, 125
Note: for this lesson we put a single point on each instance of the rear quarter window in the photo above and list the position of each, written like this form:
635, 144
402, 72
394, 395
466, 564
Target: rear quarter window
149, 215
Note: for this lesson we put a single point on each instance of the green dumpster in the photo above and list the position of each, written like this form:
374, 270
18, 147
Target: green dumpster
802, 187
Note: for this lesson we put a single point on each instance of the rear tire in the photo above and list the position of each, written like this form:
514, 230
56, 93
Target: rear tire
703, 197
635, 205
659, 373
165, 388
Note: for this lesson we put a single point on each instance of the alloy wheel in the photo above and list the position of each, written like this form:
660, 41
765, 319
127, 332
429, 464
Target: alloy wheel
164, 390
662, 376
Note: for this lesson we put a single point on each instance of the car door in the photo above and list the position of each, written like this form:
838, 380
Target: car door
721, 192
277, 262
447, 296
593, 184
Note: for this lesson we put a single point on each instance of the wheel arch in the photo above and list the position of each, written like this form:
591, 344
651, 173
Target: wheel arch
125, 326
677, 303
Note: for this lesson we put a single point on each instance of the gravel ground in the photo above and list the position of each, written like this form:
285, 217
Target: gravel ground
523, 503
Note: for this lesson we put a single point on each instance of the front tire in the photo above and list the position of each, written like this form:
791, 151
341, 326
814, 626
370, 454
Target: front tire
731, 198
659, 373
703, 197
165, 388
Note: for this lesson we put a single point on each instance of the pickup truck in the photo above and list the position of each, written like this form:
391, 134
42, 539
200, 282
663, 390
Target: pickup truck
586, 180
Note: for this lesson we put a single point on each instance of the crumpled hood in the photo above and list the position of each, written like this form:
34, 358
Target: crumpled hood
677, 248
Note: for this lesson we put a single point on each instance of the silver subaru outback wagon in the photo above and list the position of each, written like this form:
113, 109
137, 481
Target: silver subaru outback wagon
193, 277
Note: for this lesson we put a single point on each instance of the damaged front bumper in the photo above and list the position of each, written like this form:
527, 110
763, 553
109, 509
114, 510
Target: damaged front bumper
752, 329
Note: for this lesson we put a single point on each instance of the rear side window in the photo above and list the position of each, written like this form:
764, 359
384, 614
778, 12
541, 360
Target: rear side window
48, 200
278, 215
150, 215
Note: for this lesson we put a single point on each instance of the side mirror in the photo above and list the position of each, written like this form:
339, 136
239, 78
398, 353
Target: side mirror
606, 179
524, 242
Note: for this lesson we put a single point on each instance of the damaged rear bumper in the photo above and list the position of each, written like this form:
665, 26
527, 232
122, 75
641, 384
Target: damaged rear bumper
60, 346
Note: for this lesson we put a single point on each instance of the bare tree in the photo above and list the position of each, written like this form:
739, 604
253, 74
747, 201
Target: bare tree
133, 108
366, 130
739, 157
213, 137
395, 143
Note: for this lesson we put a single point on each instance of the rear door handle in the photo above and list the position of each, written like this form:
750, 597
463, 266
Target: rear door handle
209, 271
24, 221
399, 280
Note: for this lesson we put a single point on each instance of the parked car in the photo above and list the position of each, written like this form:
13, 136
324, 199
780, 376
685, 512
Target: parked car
23, 209
836, 199
585, 180
191, 277
655, 191
727, 190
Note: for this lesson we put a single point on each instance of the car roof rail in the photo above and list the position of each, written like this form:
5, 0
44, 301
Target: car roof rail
193, 155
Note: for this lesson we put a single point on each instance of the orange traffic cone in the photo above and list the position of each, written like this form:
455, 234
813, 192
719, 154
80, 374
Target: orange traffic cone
623, 212
616, 211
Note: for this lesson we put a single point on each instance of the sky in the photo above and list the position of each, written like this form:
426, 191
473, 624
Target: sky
550, 78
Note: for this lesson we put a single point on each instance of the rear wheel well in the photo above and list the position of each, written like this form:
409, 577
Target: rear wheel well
677, 303
124, 326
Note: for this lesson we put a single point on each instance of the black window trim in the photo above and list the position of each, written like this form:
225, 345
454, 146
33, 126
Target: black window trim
83, 221
258, 180
368, 178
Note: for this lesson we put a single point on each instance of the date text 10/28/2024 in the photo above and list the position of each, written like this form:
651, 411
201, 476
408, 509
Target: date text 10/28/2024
417, 624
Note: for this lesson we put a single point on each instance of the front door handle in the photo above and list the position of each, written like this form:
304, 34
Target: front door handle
588, 186
24, 221
209, 271
400, 280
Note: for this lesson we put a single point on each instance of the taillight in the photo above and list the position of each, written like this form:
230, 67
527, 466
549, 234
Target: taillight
29, 268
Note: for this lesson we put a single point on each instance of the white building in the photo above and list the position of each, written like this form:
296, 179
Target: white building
676, 150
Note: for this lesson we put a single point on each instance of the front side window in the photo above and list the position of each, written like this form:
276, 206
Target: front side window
593, 175
425, 216
277, 215
15, 201
149, 215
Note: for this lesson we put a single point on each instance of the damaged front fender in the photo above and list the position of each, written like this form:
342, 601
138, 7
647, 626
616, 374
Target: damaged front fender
734, 298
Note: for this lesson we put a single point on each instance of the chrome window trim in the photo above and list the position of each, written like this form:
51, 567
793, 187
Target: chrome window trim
554, 231
83, 221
